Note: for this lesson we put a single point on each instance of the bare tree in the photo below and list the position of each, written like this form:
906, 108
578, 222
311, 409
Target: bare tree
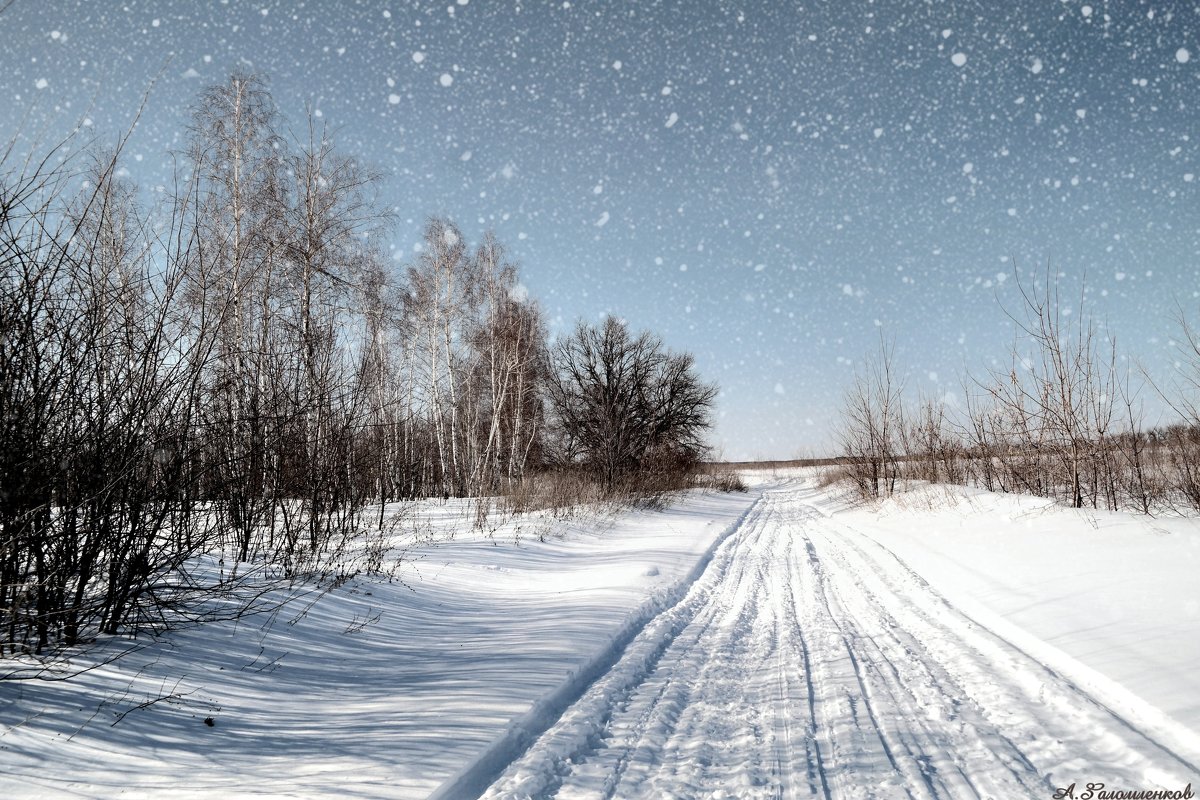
508, 355
872, 428
1057, 397
623, 404
934, 449
95, 391
1134, 445
326, 257
236, 205
441, 297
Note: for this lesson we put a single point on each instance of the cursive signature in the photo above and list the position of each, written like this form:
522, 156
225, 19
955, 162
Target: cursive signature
1095, 790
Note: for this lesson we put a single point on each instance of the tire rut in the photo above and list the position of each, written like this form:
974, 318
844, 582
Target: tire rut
808, 661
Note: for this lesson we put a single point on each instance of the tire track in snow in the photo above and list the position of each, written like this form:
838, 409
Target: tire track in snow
649, 623
1033, 699
651, 692
906, 701
808, 661
814, 759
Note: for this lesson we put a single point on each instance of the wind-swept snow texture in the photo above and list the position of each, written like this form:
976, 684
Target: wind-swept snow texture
810, 661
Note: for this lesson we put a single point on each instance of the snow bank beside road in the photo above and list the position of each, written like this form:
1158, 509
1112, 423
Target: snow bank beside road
1118, 593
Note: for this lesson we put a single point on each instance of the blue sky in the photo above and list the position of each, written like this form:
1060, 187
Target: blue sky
765, 184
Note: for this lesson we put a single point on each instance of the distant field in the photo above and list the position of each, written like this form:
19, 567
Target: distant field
795, 462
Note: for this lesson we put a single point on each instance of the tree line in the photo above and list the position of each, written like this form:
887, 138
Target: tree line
1064, 419
241, 375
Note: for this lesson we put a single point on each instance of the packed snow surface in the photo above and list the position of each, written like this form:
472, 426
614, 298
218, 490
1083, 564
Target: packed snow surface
810, 661
773, 644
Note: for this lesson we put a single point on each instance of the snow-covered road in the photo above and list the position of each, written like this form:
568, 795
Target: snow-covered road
809, 661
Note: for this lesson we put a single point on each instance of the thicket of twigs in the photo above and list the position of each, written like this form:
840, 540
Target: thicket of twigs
240, 373
1063, 421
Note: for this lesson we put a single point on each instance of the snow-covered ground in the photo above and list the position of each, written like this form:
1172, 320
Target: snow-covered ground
1117, 593
947, 644
811, 661
377, 689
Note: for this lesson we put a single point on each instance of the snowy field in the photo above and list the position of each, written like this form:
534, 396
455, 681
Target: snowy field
948, 643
